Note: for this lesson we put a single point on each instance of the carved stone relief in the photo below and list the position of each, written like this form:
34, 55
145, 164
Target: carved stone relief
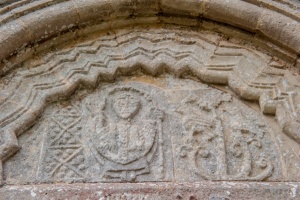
128, 136
152, 129
149, 99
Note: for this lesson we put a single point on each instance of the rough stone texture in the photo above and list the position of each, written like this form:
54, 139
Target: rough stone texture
137, 95
154, 191
145, 129
207, 55
61, 16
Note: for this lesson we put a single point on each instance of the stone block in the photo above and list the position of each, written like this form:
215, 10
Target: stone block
280, 28
193, 7
236, 12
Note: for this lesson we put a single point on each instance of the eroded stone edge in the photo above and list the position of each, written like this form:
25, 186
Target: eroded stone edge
61, 17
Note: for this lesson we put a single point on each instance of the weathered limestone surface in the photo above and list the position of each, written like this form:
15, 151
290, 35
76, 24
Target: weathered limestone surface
150, 99
144, 129
154, 191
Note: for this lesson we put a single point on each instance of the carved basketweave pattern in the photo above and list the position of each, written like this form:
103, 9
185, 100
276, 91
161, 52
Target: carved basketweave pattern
63, 152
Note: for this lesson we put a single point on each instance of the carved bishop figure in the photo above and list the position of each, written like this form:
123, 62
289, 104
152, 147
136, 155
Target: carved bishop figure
126, 133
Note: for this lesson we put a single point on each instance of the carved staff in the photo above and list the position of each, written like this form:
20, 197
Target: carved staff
159, 115
1, 174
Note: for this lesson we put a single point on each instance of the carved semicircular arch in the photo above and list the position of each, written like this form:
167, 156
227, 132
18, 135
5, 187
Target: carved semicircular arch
208, 55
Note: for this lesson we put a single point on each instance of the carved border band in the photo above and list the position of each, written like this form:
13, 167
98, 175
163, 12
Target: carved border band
64, 15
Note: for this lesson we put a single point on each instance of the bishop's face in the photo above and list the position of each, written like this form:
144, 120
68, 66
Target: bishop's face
126, 106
